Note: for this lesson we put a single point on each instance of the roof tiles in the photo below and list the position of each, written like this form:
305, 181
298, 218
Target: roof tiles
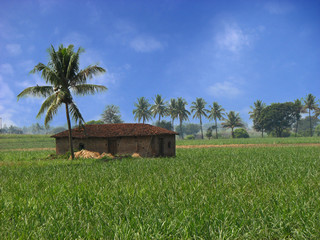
116, 130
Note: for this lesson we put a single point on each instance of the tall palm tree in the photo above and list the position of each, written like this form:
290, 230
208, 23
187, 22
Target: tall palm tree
182, 112
233, 120
216, 112
255, 115
64, 77
310, 104
142, 110
172, 111
298, 109
198, 108
159, 107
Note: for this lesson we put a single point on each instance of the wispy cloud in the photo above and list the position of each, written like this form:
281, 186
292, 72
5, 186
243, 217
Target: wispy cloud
6, 99
145, 44
232, 39
6, 69
224, 89
278, 7
13, 49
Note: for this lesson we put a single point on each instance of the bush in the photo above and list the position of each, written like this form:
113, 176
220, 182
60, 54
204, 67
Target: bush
241, 133
285, 133
190, 137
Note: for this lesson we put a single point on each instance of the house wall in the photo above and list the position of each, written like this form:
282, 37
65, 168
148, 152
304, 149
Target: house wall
147, 146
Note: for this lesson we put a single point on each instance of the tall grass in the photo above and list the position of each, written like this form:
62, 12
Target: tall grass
235, 193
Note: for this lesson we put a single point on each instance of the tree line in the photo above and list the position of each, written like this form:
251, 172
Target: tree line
273, 119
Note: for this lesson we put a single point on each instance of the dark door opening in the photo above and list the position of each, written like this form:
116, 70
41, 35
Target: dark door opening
81, 146
112, 147
161, 147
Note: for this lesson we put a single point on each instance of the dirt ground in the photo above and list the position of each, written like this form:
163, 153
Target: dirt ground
201, 146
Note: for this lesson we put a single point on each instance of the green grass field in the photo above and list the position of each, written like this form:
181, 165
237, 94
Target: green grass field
225, 193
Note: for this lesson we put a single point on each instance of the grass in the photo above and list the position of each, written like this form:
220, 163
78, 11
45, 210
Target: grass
237, 193
19, 141
265, 140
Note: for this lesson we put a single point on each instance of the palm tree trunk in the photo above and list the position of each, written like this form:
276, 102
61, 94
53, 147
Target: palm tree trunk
159, 117
216, 128
232, 133
181, 129
172, 124
201, 128
70, 135
297, 128
310, 123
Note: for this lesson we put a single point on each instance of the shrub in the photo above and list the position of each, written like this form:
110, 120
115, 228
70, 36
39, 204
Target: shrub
241, 133
190, 137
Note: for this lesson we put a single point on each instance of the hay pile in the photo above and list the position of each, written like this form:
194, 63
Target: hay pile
136, 155
88, 154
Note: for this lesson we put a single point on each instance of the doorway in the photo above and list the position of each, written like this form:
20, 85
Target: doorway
161, 146
112, 147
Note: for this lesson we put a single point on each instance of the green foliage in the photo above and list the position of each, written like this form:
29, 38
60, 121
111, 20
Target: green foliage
230, 193
255, 115
198, 110
111, 114
98, 122
190, 137
304, 125
285, 133
232, 121
216, 112
241, 133
310, 104
317, 130
142, 110
159, 107
209, 133
164, 124
277, 117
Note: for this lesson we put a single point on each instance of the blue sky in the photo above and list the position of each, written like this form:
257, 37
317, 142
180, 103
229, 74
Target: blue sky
232, 52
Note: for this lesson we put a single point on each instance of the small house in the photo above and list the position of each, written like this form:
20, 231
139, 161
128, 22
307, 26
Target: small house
121, 139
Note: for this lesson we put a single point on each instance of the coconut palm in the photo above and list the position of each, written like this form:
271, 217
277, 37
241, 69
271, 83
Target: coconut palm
310, 104
216, 112
298, 109
159, 107
64, 77
198, 108
255, 115
232, 121
182, 112
142, 110
172, 111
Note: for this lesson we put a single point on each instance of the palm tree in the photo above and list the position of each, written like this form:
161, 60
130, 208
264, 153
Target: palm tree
142, 110
310, 104
198, 108
233, 120
182, 112
64, 77
159, 107
298, 109
216, 112
172, 111
255, 115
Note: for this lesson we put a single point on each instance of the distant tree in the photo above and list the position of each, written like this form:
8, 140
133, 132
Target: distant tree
209, 133
36, 128
304, 125
63, 74
310, 104
232, 121
111, 114
96, 122
198, 110
172, 111
182, 112
241, 133
278, 117
142, 110
191, 129
216, 112
255, 115
159, 107
57, 130
164, 124
317, 130
298, 109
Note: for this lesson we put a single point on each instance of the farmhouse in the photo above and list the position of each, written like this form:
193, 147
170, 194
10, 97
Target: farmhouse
120, 138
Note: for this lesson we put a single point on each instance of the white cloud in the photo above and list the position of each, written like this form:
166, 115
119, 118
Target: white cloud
14, 49
224, 89
278, 7
6, 69
6, 99
232, 38
145, 44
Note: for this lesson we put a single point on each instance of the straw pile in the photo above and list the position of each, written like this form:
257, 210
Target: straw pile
88, 154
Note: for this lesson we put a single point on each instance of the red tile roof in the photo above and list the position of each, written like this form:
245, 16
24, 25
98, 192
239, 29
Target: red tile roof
116, 130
